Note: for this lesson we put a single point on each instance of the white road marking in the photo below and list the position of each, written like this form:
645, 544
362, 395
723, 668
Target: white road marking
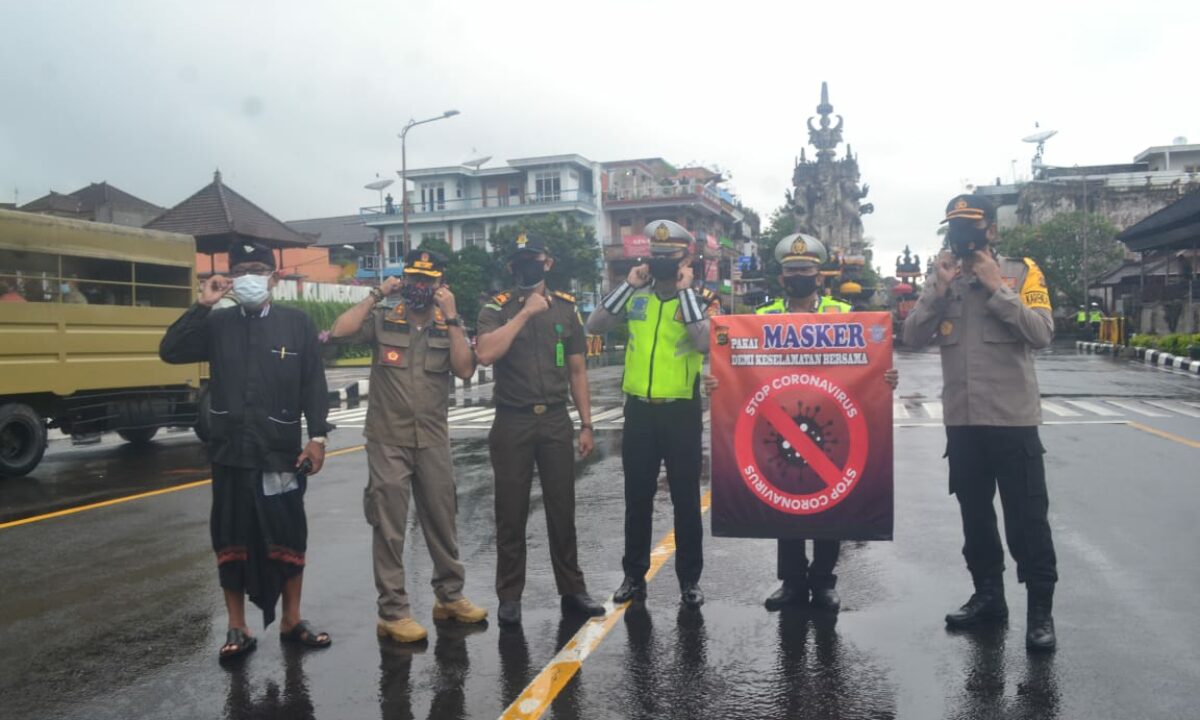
1136, 408
1093, 408
1059, 410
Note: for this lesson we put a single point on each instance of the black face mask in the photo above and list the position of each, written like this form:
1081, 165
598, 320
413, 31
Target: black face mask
417, 296
800, 286
529, 272
664, 268
964, 238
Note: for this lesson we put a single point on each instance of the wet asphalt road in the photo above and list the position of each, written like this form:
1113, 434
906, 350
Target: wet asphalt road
115, 612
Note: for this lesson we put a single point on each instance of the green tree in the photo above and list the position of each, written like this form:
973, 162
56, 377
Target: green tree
471, 274
573, 246
781, 224
1057, 247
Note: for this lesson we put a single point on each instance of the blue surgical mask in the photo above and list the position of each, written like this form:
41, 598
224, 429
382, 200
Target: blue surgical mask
253, 291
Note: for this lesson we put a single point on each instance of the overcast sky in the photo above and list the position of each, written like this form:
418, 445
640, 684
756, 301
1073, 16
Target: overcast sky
299, 103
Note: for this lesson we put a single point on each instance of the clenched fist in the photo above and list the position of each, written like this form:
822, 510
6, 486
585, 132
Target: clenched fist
535, 304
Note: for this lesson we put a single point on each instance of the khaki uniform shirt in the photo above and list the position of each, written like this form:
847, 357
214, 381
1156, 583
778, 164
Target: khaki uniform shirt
987, 342
410, 379
529, 373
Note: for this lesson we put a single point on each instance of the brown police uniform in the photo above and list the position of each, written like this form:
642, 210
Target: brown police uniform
532, 426
408, 452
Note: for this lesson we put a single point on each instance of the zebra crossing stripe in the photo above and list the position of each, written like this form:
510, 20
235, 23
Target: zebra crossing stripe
933, 409
899, 411
607, 414
1059, 410
1092, 408
1173, 407
1134, 408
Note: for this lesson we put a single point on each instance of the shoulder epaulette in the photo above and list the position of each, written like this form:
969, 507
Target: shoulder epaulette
562, 295
501, 298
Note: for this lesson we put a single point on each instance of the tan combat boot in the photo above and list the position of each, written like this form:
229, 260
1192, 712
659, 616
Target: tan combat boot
404, 630
462, 610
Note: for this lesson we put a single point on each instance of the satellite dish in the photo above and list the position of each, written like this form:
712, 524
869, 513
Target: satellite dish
477, 162
378, 184
1039, 137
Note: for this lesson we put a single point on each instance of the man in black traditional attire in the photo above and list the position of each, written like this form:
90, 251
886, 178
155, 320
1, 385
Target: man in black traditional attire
265, 371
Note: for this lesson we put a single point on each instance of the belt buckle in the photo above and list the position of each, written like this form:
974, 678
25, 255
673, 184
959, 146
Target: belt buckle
657, 401
539, 409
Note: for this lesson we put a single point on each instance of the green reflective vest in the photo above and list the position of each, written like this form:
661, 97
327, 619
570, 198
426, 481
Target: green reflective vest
1081, 317
660, 361
1096, 316
779, 306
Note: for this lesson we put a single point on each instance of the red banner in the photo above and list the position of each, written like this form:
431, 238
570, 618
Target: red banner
802, 426
636, 246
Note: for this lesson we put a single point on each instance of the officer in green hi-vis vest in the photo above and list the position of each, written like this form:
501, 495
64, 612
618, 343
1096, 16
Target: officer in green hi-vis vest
668, 337
800, 257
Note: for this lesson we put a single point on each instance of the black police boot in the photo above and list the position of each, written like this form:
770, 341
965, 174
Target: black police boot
1039, 622
509, 612
986, 605
631, 589
789, 593
691, 595
824, 597
581, 603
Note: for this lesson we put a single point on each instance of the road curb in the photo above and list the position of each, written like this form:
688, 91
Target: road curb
1155, 358
359, 388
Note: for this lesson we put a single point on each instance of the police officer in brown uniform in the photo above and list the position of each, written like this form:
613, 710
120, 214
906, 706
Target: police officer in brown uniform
536, 341
987, 314
417, 344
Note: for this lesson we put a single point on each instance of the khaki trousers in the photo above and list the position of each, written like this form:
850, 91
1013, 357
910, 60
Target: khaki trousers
427, 475
517, 441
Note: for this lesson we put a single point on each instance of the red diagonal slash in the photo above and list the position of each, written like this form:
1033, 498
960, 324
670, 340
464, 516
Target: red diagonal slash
812, 453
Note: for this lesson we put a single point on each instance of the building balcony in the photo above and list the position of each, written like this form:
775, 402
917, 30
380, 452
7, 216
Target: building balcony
647, 196
482, 207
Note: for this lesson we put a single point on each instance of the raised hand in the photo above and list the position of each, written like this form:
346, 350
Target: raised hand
213, 289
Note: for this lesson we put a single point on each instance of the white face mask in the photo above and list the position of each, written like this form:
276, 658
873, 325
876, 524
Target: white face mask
252, 290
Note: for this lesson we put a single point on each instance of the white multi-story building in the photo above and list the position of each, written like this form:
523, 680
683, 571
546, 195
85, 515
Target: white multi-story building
464, 205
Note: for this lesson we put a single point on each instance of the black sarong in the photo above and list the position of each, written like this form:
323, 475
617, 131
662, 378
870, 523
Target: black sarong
259, 539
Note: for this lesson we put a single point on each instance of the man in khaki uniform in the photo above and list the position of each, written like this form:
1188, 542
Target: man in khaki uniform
987, 314
536, 340
416, 345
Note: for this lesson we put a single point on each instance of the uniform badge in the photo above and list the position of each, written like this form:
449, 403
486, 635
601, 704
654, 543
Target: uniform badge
722, 335
391, 356
946, 328
662, 233
877, 333
961, 204
637, 309
522, 241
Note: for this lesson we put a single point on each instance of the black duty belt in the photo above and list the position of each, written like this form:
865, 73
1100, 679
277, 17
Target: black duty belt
531, 409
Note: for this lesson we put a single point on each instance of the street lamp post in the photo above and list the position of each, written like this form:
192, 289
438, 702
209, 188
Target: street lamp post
404, 171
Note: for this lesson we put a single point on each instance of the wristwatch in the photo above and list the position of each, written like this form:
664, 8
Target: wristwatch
377, 293
320, 439
586, 426
455, 321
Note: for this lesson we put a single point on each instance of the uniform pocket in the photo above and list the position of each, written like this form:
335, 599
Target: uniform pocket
995, 331
283, 435
437, 355
371, 508
949, 330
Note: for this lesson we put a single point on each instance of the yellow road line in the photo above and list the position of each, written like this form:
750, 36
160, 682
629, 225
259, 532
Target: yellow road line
536, 698
1164, 434
138, 496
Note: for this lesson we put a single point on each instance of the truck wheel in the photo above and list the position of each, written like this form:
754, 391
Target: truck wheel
22, 439
138, 436
202, 428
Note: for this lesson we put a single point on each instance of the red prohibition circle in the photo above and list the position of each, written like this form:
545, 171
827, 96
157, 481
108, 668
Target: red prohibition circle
839, 482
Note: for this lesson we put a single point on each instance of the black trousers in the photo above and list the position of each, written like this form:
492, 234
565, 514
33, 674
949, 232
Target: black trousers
793, 565
983, 458
655, 434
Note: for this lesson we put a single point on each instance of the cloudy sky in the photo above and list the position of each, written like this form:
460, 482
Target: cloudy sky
298, 103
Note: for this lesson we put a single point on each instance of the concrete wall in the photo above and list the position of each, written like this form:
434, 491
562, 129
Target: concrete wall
1123, 206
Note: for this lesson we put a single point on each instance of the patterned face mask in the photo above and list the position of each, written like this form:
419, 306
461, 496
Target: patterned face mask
417, 296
